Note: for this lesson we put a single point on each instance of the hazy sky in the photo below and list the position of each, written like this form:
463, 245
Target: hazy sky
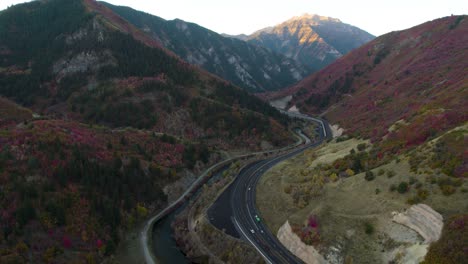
245, 16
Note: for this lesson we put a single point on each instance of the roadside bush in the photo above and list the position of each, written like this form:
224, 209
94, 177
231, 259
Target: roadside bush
403, 187
369, 176
342, 138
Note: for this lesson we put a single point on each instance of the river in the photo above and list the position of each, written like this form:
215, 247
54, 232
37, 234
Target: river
164, 245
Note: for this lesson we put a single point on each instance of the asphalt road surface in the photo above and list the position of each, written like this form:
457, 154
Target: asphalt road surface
242, 211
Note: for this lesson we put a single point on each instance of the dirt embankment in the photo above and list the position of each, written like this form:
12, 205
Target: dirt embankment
293, 243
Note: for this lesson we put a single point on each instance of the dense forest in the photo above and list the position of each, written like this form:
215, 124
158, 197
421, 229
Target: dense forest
106, 123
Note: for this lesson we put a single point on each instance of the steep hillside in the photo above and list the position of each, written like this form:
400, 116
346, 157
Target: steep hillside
401, 100
251, 67
109, 119
313, 40
416, 77
100, 69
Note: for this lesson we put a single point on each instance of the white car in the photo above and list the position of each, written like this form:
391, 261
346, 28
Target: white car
252, 231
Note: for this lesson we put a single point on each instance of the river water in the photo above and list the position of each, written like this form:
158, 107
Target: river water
164, 245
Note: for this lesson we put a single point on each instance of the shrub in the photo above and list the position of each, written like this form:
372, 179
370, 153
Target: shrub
390, 174
368, 228
423, 194
403, 187
141, 211
412, 180
33, 163
447, 190
381, 172
25, 213
361, 146
342, 138
413, 200
334, 177
369, 176
451, 247
393, 187
350, 172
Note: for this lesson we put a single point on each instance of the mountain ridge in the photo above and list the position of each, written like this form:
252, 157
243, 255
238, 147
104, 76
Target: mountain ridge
251, 67
419, 71
311, 39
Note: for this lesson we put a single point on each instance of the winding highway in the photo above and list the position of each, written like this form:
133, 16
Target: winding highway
247, 219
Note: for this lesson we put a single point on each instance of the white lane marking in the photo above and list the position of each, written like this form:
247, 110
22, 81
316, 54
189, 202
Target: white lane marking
251, 242
144, 237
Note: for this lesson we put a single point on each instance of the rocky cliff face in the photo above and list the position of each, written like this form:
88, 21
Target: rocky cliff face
249, 66
313, 40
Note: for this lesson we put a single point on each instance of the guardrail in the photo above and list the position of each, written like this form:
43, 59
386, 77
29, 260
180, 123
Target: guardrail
302, 116
204, 177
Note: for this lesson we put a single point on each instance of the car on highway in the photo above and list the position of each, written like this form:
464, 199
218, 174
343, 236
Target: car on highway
257, 218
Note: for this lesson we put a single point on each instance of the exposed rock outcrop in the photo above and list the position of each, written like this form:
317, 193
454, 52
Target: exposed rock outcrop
83, 62
422, 219
293, 243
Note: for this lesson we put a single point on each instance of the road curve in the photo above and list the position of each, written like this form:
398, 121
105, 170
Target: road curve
145, 234
245, 213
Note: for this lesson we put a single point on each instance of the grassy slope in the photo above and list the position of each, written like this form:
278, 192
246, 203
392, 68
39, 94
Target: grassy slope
9, 111
344, 207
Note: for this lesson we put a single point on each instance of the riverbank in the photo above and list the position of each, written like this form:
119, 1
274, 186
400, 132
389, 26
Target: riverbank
200, 240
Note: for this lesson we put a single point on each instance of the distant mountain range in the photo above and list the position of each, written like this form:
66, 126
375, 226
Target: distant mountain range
249, 66
312, 40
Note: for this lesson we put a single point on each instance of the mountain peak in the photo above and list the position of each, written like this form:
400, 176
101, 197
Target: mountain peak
312, 18
311, 39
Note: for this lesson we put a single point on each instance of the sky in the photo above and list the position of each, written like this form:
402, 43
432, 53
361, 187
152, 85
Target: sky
246, 16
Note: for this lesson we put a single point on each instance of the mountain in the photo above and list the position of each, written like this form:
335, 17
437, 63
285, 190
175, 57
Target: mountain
313, 40
402, 103
243, 37
413, 79
97, 121
249, 66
